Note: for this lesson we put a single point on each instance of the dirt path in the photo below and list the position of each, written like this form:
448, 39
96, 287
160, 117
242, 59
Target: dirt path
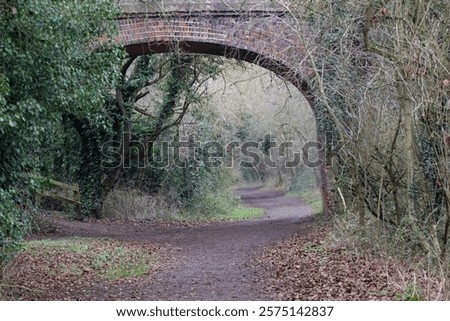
214, 262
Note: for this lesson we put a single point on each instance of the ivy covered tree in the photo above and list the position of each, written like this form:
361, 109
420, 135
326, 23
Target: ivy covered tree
156, 94
51, 64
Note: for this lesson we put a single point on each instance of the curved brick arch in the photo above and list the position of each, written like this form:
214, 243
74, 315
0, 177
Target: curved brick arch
263, 39
260, 37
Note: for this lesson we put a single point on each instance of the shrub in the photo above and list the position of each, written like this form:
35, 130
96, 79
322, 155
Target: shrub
14, 223
135, 204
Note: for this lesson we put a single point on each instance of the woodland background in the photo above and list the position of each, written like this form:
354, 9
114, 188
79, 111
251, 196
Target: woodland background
382, 89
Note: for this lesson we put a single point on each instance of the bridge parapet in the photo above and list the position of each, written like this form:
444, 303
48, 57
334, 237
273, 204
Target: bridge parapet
197, 7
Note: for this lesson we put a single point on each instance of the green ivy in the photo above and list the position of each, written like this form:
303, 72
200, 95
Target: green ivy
50, 66
14, 224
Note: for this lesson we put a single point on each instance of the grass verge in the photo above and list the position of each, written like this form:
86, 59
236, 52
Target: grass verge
242, 213
56, 269
311, 197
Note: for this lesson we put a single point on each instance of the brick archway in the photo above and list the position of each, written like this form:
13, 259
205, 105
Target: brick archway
254, 33
261, 36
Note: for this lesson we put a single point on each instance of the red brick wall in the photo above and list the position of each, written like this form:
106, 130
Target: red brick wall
265, 40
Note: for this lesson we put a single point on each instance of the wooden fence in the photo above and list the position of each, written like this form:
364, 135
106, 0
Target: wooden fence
65, 193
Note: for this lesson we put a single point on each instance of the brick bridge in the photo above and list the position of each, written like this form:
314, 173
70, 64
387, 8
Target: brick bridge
249, 30
256, 31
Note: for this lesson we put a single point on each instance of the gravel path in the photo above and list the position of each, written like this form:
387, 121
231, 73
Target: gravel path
213, 262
